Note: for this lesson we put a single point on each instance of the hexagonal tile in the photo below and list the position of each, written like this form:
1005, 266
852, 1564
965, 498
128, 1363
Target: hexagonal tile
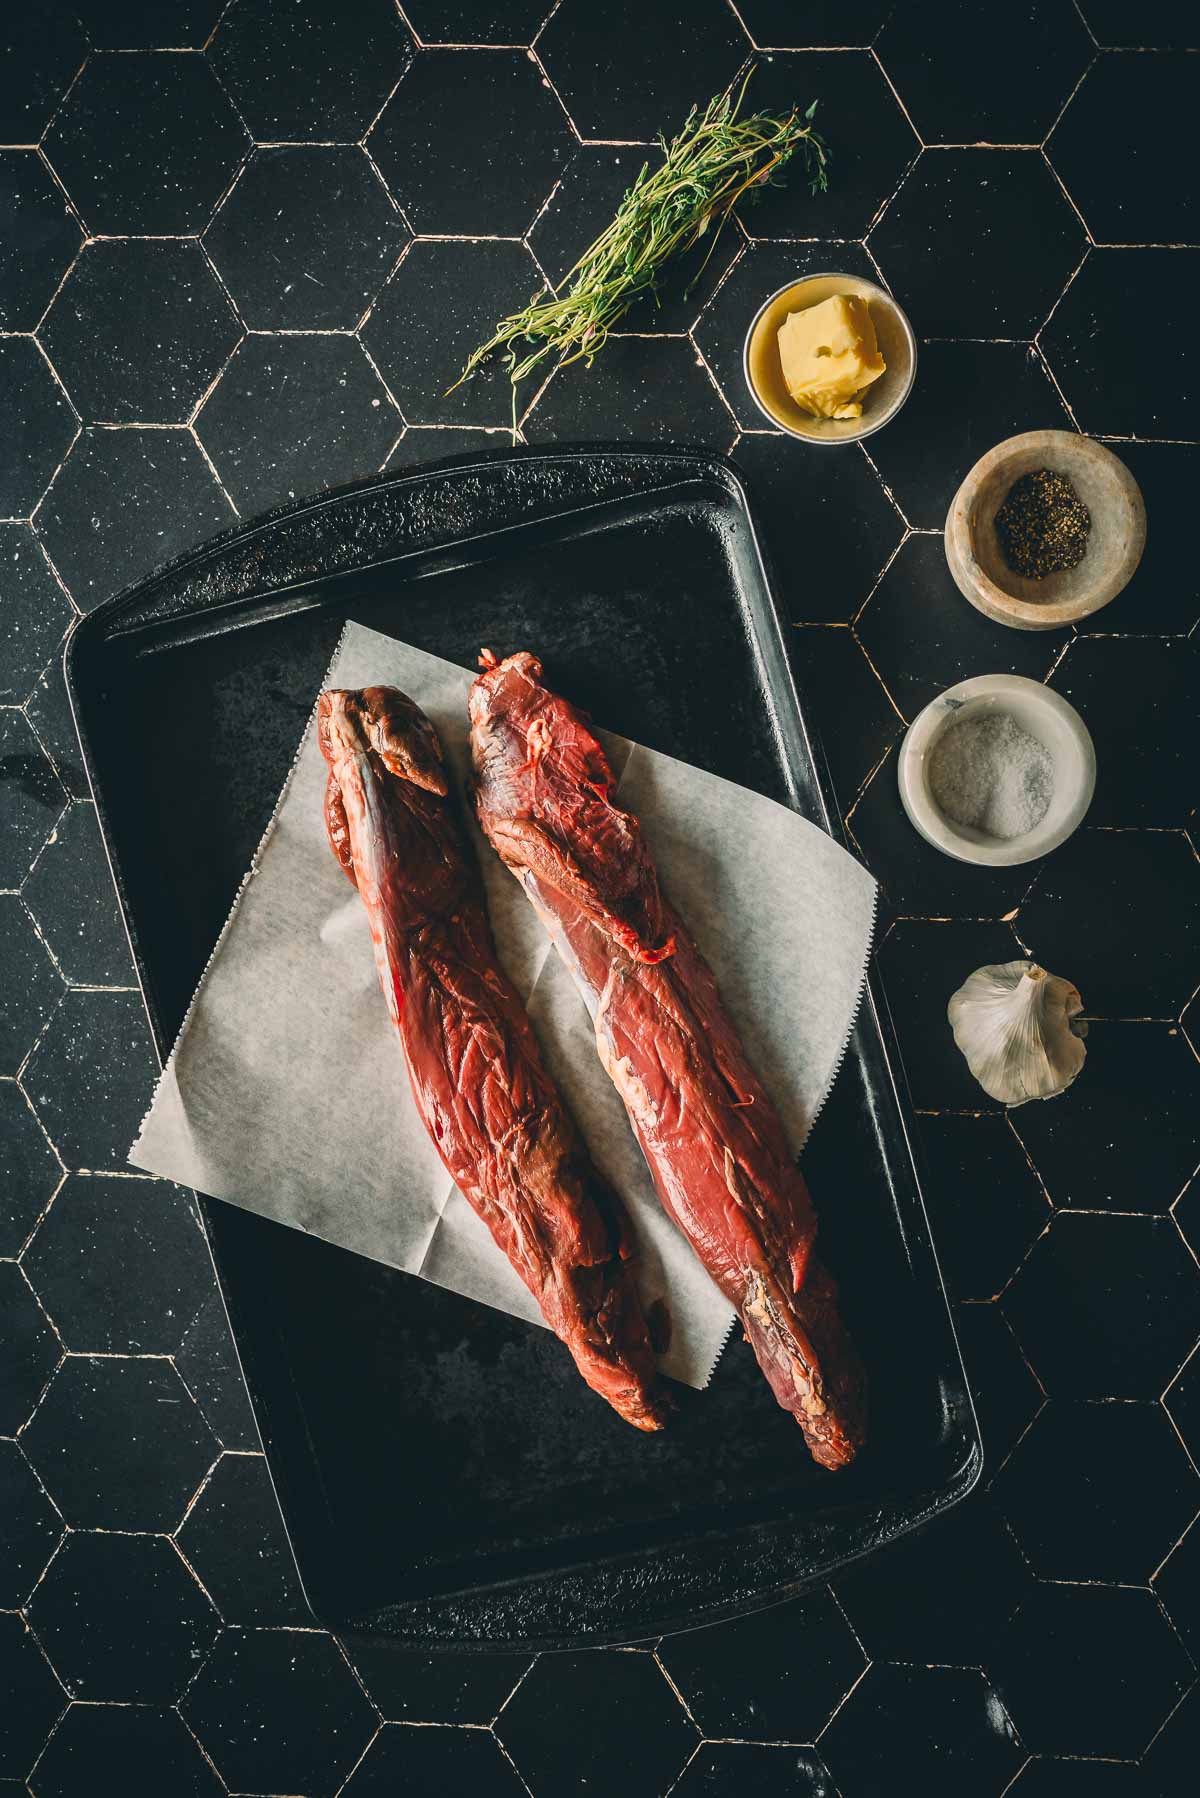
928, 448
612, 77
985, 1205
641, 388
30, 984
1123, 1490
234, 1538
1182, 1399
91, 1077
944, 1725
1159, 23
310, 69
124, 1748
1171, 1759
1164, 594
146, 144
753, 1770
293, 415
443, 300
209, 1364
1130, 185
1101, 1143
1016, 88
872, 142
834, 676
471, 143
405, 1759
33, 1697
774, 24
279, 1710
34, 612
120, 1264
37, 425
1140, 891
69, 892
1148, 773
477, 21
119, 1443
922, 963
1089, 1670
1186, 1212
29, 1349
306, 238
1041, 1778
1106, 1306
41, 237
40, 55
138, 330
618, 1722
29, 1169
149, 24
122, 1618
436, 1688
1006, 1393
125, 501
953, 243
32, 1527
1177, 1583
49, 711
31, 798
1084, 342
422, 444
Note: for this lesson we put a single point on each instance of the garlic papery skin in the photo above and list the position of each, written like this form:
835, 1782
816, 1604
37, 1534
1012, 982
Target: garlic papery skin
1016, 1026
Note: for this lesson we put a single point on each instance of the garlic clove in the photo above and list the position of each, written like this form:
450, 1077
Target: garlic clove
1016, 1026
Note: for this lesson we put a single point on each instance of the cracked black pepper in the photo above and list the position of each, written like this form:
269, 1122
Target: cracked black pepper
1043, 525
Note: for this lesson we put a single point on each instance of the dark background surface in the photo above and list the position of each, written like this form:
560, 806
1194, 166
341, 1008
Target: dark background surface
201, 319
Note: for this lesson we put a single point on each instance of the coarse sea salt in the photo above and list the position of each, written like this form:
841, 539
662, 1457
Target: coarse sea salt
988, 772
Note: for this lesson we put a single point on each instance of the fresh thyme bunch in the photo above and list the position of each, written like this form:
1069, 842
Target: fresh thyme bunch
716, 159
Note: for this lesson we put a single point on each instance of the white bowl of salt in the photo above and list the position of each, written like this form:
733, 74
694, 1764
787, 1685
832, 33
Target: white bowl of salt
997, 770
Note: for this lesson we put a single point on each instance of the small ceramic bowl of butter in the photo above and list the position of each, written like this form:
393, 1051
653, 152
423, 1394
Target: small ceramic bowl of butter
830, 358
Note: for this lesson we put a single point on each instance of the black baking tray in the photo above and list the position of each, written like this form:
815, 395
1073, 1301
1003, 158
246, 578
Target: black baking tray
444, 1475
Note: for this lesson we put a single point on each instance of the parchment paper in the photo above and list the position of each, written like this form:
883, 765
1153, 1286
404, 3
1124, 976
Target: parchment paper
287, 1092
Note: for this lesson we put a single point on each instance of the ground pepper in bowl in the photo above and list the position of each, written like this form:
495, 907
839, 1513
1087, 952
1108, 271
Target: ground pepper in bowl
1043, 525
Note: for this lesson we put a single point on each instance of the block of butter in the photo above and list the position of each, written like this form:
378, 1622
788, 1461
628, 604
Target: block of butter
830, 356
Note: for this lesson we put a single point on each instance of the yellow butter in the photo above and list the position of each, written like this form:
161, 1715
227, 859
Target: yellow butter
830, 356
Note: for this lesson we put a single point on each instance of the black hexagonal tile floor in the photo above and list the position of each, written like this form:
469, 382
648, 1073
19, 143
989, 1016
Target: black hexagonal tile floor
1164, 594
293, 415
30, 984
1123, 1491
477, 21
91, 1076
131, 1749
438, 1688
1106, 1306
120, 1264
49, 711
29, 1169
953, 243
32, 1527
122, 1618
985, 1204
1147, 776
149, 24
138, 331
209, 1365
308, 69
234, 1538
31, 798
146, 144
33, 1697
1140, 891
41, 237
739, 1679
1131, 185
306, 238
780, 24
754, 1770
1006, 1393
37, 425
433, 1761
944, 1725
872, 142
422, 444
1182, 1399
612, 77
471, 144
1170, 1762
923, 962
125, 501
1089, 1670
443, 300
40, 55
1177, 1583
968, 397
34, 612
1084, 340
1162, 24
641, 388
68, 892
833, 674
119, 1443
617, 1721
922, 636
279, 1711
1042, 1778
1186, 1212
941, 1594
1102, 1143
1016, 86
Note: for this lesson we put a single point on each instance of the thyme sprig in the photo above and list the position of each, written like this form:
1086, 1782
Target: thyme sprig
715, 160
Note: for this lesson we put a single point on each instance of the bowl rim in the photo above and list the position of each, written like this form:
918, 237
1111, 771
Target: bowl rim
938, 830
868, 429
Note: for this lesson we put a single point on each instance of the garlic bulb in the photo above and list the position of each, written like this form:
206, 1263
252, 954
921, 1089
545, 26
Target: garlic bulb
1016, 1026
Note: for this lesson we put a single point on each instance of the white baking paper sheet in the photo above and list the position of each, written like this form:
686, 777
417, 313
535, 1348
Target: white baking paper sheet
287, 1092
